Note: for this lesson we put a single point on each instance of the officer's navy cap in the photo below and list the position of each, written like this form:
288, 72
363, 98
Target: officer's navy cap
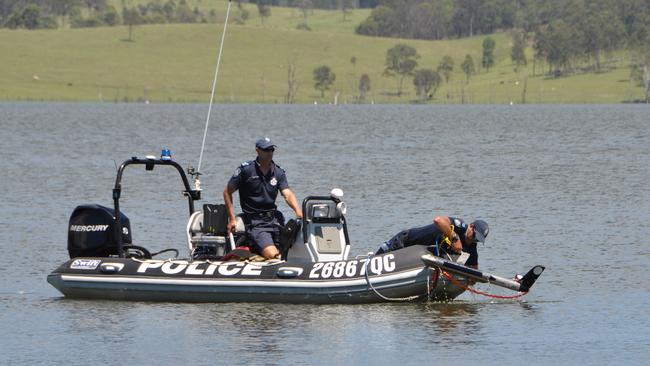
481, 230
264, 143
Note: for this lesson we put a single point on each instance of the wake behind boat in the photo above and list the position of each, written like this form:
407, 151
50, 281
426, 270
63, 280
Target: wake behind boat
315, 265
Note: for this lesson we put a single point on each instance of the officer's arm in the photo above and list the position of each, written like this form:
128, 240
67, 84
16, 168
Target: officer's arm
227, 198
292, 201
443, 223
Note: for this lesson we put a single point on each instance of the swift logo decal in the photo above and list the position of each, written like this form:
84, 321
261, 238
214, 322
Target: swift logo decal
88, 264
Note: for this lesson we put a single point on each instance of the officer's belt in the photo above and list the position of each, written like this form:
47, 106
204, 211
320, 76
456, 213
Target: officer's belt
261, 215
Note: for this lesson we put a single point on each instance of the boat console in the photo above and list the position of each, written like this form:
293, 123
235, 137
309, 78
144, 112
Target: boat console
324, 235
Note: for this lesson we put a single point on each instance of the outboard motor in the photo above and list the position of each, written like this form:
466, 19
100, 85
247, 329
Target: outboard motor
91, 232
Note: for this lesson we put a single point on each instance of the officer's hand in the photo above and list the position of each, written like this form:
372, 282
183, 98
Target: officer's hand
457, 246
232, 226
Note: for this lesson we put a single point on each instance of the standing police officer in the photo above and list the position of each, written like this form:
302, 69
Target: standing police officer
258, 182
446, 233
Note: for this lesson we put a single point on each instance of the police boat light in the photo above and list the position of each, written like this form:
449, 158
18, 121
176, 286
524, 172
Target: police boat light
166, 154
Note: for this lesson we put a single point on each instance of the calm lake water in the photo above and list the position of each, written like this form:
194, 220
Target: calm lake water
562, 186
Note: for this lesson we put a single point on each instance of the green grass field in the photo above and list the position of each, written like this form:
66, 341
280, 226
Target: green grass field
175, 63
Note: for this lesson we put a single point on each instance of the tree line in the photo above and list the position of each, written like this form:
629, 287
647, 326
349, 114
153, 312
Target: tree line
567, 36
319, 4
401, 63
440, 19
38, 14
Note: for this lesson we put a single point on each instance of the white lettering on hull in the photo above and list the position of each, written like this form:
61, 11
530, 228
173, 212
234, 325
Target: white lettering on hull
353, 268
194, 269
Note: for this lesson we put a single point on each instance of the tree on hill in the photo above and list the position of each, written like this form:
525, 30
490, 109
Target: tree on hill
641, 71
467, 14
383, 22
95, 5
306, 7
242, 14
601, 31
488, 53
400, 63
556, 43
446, 67
63, 8
323, 79
263, 9
364, 86
346, 6
30, 17
292, 81
468, 67
185, 14
131, 17
425, 81
517, 54
169, 10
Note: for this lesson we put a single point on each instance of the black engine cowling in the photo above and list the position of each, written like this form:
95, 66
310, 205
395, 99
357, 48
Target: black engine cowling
91, 231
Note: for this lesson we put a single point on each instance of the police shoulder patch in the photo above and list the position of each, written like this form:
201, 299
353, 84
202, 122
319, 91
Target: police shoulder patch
237, 172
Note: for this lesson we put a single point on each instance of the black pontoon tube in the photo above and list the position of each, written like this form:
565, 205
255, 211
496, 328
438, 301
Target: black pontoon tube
522, 286
149, 164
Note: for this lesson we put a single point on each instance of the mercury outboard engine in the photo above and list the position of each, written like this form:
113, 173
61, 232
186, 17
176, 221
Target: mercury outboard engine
91, 232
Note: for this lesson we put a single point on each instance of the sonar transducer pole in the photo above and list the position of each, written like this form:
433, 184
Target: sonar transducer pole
522, 285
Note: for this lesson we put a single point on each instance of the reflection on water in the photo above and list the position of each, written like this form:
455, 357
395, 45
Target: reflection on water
561, 186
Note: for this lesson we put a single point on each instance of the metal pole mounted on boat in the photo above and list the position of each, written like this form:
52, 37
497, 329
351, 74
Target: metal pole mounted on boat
197, 182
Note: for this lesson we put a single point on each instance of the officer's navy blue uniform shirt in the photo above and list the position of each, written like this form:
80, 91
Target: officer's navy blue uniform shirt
430, 235
257, 192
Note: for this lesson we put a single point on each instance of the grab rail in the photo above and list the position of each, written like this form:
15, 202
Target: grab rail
149, 163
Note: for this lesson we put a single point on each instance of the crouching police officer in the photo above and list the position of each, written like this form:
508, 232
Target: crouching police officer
258, 182
448, 233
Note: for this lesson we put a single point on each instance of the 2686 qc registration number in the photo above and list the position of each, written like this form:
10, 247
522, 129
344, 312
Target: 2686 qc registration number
353, 268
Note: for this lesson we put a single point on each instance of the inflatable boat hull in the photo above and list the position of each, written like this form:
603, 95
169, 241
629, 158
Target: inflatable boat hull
392, 276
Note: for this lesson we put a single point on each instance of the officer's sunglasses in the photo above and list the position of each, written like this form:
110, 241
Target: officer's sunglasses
270, 149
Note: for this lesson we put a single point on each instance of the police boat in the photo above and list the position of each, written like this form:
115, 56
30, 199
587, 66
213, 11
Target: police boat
316, 266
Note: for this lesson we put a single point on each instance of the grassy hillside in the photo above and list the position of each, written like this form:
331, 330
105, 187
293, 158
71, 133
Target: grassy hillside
175, 62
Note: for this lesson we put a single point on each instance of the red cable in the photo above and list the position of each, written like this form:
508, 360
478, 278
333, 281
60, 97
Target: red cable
480, 292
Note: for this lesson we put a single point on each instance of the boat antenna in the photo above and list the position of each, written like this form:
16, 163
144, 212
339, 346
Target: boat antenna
196, 173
